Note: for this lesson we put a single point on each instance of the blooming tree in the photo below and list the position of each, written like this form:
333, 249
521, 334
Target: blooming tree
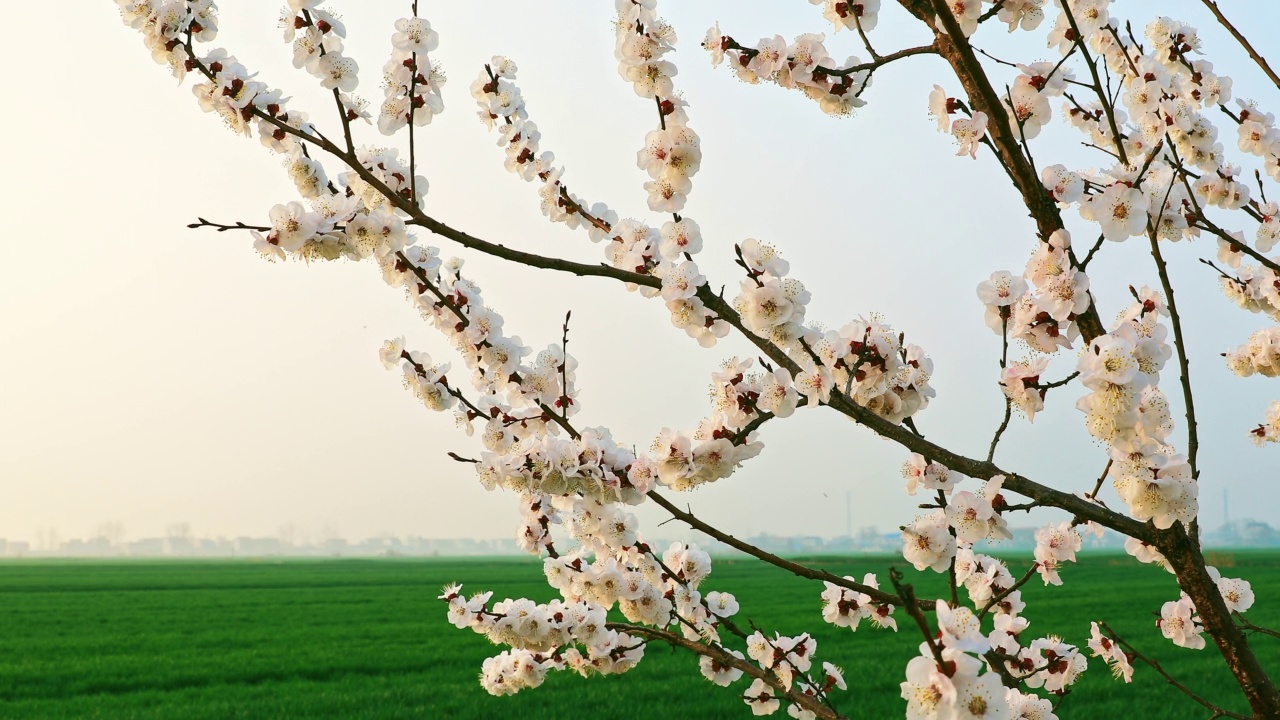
1145, 100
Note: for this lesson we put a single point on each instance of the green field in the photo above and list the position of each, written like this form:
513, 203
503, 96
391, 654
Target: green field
368, 639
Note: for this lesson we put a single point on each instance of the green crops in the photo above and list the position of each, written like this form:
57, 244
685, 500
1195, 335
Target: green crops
367, 639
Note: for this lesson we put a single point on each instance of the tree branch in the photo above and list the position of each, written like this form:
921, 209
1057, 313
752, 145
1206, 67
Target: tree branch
792, 567
1266, 69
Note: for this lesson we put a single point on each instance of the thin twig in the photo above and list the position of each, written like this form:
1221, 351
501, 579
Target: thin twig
794, 568
1155, 665
1266, 69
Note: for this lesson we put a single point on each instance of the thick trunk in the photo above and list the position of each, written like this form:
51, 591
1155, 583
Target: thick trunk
1258, 688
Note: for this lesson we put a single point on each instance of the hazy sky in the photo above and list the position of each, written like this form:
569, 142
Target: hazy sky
152, 374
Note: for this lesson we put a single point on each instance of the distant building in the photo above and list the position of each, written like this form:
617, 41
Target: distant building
258, 547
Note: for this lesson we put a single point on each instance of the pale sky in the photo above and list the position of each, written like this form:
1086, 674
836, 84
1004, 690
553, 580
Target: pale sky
152, 374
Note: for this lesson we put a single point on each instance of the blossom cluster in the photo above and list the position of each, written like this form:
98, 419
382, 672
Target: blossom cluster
1269, 431
354, 220
789, 660
845, 607
964, 518
802, 65
670, 157
542, 637
968, 132
411, 82
1255, 288
865, 360
671, 154
1126, 410
1044, 316
317, 37
1261, 354
946, 679
943, 541
1179, 621
1120, 662
168, 27
574, 485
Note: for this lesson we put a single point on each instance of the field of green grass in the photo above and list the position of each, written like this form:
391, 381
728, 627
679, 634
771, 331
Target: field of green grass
368, 639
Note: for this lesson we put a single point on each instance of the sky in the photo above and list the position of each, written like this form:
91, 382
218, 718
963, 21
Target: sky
153, 375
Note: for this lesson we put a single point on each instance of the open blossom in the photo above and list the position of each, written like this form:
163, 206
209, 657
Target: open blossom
680, 238
414, 35
777, 394
1028, 106
1120, 210
1055, 544
971, 516
682, 281
722, 604
390, 352
1178, 622
929, 475
1268, 432
1236, 593
927, 543
816, 385
931, 691
1111, 653
969, 133
960, 628
1028, 706
761, 698
1001, 289
966, 13
760, 257
1066, 186
1109, 359
765, 306
1025, 14
941, 107
722, 674
292, 225
1017, 381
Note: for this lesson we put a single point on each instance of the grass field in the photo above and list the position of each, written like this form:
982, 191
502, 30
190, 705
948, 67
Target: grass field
368, 639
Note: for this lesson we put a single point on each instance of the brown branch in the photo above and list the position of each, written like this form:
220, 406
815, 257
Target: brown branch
913, 608
1188, 563
977, 469
794, 568
1255, 628
879, 61
1266, 69
808, 702
956, 50
1103, 96
1202, 221
715, 303
220, 227
1184, 362
1097, 487
1155, 665
995, 599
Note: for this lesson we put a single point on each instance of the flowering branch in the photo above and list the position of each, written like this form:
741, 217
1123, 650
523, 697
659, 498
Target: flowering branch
793, 567
1155, 665
1222, 19
808, 702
